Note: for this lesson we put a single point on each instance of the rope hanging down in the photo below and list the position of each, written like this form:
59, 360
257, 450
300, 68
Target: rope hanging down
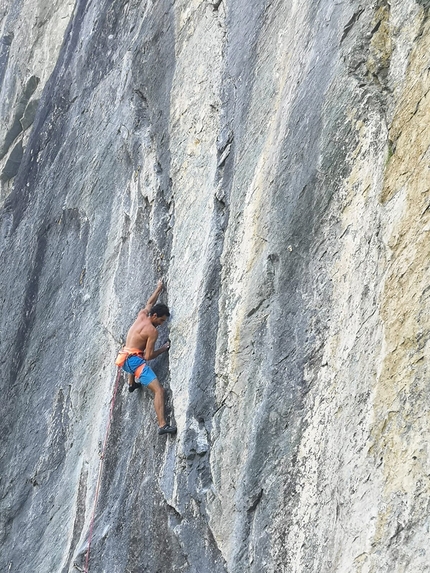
112, 404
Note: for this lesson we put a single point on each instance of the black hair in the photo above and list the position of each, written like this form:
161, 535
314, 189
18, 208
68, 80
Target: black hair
160, 310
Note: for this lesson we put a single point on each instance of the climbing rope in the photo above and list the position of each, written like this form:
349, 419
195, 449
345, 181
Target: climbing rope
112, 404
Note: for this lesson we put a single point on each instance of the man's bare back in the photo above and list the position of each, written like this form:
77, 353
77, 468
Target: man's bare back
140, 331
143, 332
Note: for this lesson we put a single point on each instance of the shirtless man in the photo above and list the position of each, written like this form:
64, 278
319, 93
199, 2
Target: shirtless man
139, 349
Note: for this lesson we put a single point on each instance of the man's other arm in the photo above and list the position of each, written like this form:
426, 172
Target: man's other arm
150, 353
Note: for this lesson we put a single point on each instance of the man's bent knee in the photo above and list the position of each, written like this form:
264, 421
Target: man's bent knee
156, 387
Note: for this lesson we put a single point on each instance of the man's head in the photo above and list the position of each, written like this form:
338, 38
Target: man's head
158, 314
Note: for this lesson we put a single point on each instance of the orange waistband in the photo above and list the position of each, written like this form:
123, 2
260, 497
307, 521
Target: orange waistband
132, 350
124, 353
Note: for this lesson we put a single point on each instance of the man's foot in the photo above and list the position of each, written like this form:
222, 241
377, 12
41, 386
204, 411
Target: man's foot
132, 387
167, 430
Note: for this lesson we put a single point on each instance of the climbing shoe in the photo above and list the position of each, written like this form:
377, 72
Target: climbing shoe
167, 430
132, 387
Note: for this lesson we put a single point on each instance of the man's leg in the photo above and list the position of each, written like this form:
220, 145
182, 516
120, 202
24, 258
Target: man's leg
158, 390
132, 384
129, 367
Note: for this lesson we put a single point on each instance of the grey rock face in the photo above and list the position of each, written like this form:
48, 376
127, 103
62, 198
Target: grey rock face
270, 161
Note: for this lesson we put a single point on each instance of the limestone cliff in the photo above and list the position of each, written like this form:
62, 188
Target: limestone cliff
270, 160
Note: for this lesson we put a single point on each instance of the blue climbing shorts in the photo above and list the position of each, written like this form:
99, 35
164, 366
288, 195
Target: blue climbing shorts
131, 365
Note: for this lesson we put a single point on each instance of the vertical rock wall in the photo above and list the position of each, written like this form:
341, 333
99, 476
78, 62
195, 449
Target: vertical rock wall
271, 161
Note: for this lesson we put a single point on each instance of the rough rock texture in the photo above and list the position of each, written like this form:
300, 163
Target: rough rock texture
270, 159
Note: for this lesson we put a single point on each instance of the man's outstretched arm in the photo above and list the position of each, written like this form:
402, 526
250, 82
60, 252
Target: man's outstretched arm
154, 297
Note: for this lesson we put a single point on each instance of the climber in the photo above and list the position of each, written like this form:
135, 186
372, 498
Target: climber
139, 349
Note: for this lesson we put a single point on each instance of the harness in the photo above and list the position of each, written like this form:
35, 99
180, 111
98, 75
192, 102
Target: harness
125, 353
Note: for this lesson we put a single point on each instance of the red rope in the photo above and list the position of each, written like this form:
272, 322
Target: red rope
112, 404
